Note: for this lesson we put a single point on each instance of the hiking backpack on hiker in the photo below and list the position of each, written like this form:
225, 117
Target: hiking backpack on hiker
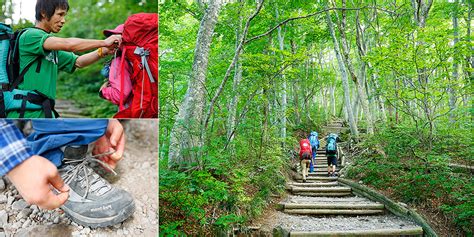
313, 139
11, 98
140, 48
305, 147
331, 145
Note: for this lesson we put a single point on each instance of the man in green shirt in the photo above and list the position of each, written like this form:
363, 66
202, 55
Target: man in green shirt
48, 53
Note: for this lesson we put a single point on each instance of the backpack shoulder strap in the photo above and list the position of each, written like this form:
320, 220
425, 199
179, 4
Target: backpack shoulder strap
16, 81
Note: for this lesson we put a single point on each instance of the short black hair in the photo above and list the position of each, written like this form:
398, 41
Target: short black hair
48, 7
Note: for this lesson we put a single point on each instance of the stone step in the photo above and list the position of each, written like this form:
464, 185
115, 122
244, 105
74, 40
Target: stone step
69, 111
317, 184
322, 205
323, 194
324, 166
319, 178
333, 211
67, 115
411, 231
324, 162
320, 172
321, 189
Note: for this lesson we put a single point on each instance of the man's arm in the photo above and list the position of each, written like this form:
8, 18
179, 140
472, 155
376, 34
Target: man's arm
80, 45
90, 58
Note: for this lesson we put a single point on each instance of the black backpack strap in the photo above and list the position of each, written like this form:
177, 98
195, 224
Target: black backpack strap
19, 80
5, 36
39, 99
48, 106
3, 113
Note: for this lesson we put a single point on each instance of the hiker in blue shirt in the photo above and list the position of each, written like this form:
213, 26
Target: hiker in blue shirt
59, 153
313, 139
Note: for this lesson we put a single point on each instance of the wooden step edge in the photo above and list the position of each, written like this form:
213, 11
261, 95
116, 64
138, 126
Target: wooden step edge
414, 231
351, 206
333, 211
308, 184
313, 194
321, 189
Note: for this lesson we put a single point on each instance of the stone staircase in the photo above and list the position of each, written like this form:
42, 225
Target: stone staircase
323, 199
67, 109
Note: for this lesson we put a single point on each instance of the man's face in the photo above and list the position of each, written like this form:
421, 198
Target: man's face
57, 20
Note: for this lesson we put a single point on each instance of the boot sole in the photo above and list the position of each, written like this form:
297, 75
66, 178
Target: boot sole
124, 214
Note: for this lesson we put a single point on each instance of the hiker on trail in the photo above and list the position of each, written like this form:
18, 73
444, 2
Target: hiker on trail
331, 153
51, 168
41, 55
305, 157
110, 90
313, 139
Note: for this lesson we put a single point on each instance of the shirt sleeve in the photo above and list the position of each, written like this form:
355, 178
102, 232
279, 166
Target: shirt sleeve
13, 147
32, 42
67, 61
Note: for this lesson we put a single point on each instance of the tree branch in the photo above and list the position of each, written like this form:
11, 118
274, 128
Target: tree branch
313, 14
234, 60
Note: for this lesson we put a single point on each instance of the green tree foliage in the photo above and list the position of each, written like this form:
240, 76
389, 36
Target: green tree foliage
407, 79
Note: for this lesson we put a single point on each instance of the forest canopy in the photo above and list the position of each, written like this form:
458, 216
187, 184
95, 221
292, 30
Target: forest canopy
243, 81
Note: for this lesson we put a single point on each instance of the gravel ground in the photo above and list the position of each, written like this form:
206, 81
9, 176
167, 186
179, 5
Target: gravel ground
137, 174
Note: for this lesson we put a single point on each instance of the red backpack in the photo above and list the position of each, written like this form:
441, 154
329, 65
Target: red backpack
140, 48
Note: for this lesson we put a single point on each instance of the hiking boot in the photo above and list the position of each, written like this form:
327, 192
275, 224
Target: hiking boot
93, 201
304, 180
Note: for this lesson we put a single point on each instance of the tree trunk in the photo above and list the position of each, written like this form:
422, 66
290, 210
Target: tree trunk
420, 11
283, 95
345, 81
231, 119
187, 133
359, 82
333, 100
469, 61
454, 78
296, 90
355, 106
361, 85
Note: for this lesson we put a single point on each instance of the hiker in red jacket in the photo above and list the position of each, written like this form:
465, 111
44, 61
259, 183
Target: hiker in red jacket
305, 157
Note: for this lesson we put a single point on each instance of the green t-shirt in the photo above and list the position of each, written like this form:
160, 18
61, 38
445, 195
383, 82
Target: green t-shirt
31, 47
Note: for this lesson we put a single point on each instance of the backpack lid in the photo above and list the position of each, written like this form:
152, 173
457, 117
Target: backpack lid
313, 133
332, 136
141, 29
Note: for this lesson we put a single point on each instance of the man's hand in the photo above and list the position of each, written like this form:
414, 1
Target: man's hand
34, 178
113, 41
112, 141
